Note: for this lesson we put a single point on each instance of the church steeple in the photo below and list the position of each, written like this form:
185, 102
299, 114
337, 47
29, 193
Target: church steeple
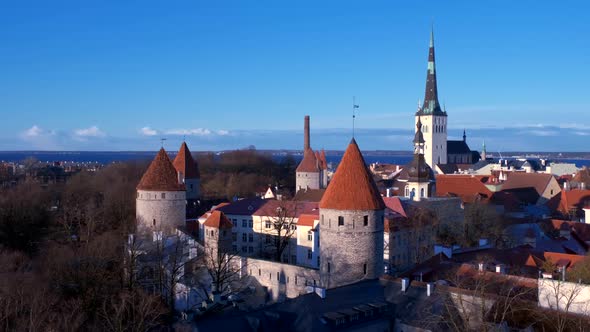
431, 104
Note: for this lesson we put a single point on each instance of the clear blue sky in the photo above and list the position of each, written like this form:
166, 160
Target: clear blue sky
118, 75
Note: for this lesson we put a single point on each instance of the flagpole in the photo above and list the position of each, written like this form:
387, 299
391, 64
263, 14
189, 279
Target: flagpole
354, 107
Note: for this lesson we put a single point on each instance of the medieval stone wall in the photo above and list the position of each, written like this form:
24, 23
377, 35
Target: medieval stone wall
282, 280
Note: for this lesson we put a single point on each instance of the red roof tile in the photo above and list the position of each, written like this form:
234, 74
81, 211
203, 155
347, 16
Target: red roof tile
582, 230
352, 187
517, 180
185, 163
309, 164
568, 260
468, 187
323, 159
161, 175
307, 220
218, 220
568, 200
293, 208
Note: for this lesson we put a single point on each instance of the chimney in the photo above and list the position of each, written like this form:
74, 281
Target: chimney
405, 284
429, 289
306, 133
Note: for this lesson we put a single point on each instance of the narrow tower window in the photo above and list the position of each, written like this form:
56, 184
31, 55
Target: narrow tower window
340, 221
365, 268
365, 220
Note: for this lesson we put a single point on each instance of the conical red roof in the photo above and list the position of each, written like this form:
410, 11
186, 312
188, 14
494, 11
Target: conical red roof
218, 220
309, 164
161, 175
185, 164
324, 161
352, 187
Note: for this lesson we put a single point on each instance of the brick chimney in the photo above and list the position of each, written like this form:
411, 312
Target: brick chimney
306, 134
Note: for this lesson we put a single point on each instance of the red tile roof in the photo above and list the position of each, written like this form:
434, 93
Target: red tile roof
307, 220
323, 159
395, 205
185, 163
309, 164
352, 187
468, 187
582, 230
517, 180
294, 208
218, 220
161, 175
567, 260
568, 200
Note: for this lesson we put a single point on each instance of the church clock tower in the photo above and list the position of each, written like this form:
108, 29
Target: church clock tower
433, 117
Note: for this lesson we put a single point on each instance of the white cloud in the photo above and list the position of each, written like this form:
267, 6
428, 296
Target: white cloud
190, 132
222, 132
147, 131
89, 132
34, 131
543, 133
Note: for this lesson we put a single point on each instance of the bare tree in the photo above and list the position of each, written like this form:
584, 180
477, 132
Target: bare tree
225, 269
132, 311
566, 299
280, 226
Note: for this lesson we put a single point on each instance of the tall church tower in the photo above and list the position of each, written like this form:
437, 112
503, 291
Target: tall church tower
421, 181
434, 119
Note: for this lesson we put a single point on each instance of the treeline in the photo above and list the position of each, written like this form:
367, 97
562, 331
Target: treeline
242, 173
63, 259
62, 256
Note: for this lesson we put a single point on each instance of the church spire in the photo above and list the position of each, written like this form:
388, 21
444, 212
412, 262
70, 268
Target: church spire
431, 104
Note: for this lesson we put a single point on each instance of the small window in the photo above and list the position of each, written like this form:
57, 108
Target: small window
309, 253
250, 237
365, 268
250, 223
235, 223
244, 249
365, 220
191, 187
309, 236
234, 236
267, 224
259, 272
328, 267
163, 195
244, 237
340, 221
154, 222
244, 223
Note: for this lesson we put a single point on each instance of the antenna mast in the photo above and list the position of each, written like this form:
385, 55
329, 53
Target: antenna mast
354, 107
162, 141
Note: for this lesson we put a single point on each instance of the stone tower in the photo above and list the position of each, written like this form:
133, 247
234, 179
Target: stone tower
188, 172
218, 235
351, 224
161, 198
420, 176
433, 117
308, 173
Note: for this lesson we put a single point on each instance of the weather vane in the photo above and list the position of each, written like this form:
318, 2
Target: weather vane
162, 141
354, 107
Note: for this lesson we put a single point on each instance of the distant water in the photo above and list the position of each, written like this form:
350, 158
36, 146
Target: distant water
107, 157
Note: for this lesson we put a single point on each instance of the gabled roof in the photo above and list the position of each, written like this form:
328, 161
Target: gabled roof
309, 195
218, 220
352, 186
560, 260
242, 207
517, 180
185, 164
457, 147
469, 188
568, 200
293, 208
582, 230
307, 220
309, 164
161, 175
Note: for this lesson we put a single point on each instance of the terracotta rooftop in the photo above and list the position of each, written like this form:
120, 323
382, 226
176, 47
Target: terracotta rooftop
568, 200
161, 175
218, 220
323, 159
516, 180
567, 260
582, 230
185, 163
309, 195
468, 187
352, 186
309, 164
293, 208
307, 220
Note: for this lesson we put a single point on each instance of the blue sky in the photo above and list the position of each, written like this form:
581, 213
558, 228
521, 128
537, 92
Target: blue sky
119, 75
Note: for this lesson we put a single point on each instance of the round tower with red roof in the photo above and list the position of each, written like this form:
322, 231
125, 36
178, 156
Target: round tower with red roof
218, 235
161, 198
188, 172
351, 224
